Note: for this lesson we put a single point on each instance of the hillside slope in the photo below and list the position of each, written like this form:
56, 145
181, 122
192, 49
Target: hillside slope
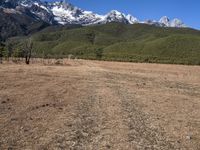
15, 23
120, 42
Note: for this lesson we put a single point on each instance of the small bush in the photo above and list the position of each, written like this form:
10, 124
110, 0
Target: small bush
99, 53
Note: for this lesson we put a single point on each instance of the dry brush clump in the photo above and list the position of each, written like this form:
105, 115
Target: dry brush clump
39, 61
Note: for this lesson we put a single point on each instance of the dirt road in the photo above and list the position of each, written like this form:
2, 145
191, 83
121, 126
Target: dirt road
91, 105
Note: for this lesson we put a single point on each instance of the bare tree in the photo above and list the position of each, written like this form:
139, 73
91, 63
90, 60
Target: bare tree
28, 46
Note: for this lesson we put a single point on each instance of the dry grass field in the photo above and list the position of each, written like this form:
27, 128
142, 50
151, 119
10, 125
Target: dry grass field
93, 105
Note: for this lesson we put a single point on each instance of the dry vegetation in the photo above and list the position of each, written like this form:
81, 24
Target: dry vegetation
92, 105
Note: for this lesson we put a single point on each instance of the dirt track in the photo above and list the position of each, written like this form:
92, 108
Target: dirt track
91, 105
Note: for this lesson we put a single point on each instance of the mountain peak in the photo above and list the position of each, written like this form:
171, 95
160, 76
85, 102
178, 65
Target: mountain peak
165, 20
171, 23
132, 19
116, 16
177, 23
115, 12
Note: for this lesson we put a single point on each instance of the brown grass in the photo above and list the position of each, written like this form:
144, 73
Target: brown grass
99, 105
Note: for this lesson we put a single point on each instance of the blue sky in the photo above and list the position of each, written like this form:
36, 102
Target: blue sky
186, 10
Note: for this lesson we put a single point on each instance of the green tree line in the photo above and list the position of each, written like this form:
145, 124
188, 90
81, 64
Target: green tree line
24, 50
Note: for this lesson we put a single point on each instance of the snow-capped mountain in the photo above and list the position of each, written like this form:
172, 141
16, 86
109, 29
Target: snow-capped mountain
177, 23
32, 8
165, 21
115, 16
132, 19
65, 13
171, 23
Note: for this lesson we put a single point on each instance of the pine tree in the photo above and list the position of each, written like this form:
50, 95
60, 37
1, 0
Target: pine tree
2, 52
18, 52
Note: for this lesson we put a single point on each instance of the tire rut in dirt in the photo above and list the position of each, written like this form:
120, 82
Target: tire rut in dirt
85, 125
141, 134
80, 126
97, 120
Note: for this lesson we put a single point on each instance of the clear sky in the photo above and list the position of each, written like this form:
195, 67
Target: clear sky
186, 10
